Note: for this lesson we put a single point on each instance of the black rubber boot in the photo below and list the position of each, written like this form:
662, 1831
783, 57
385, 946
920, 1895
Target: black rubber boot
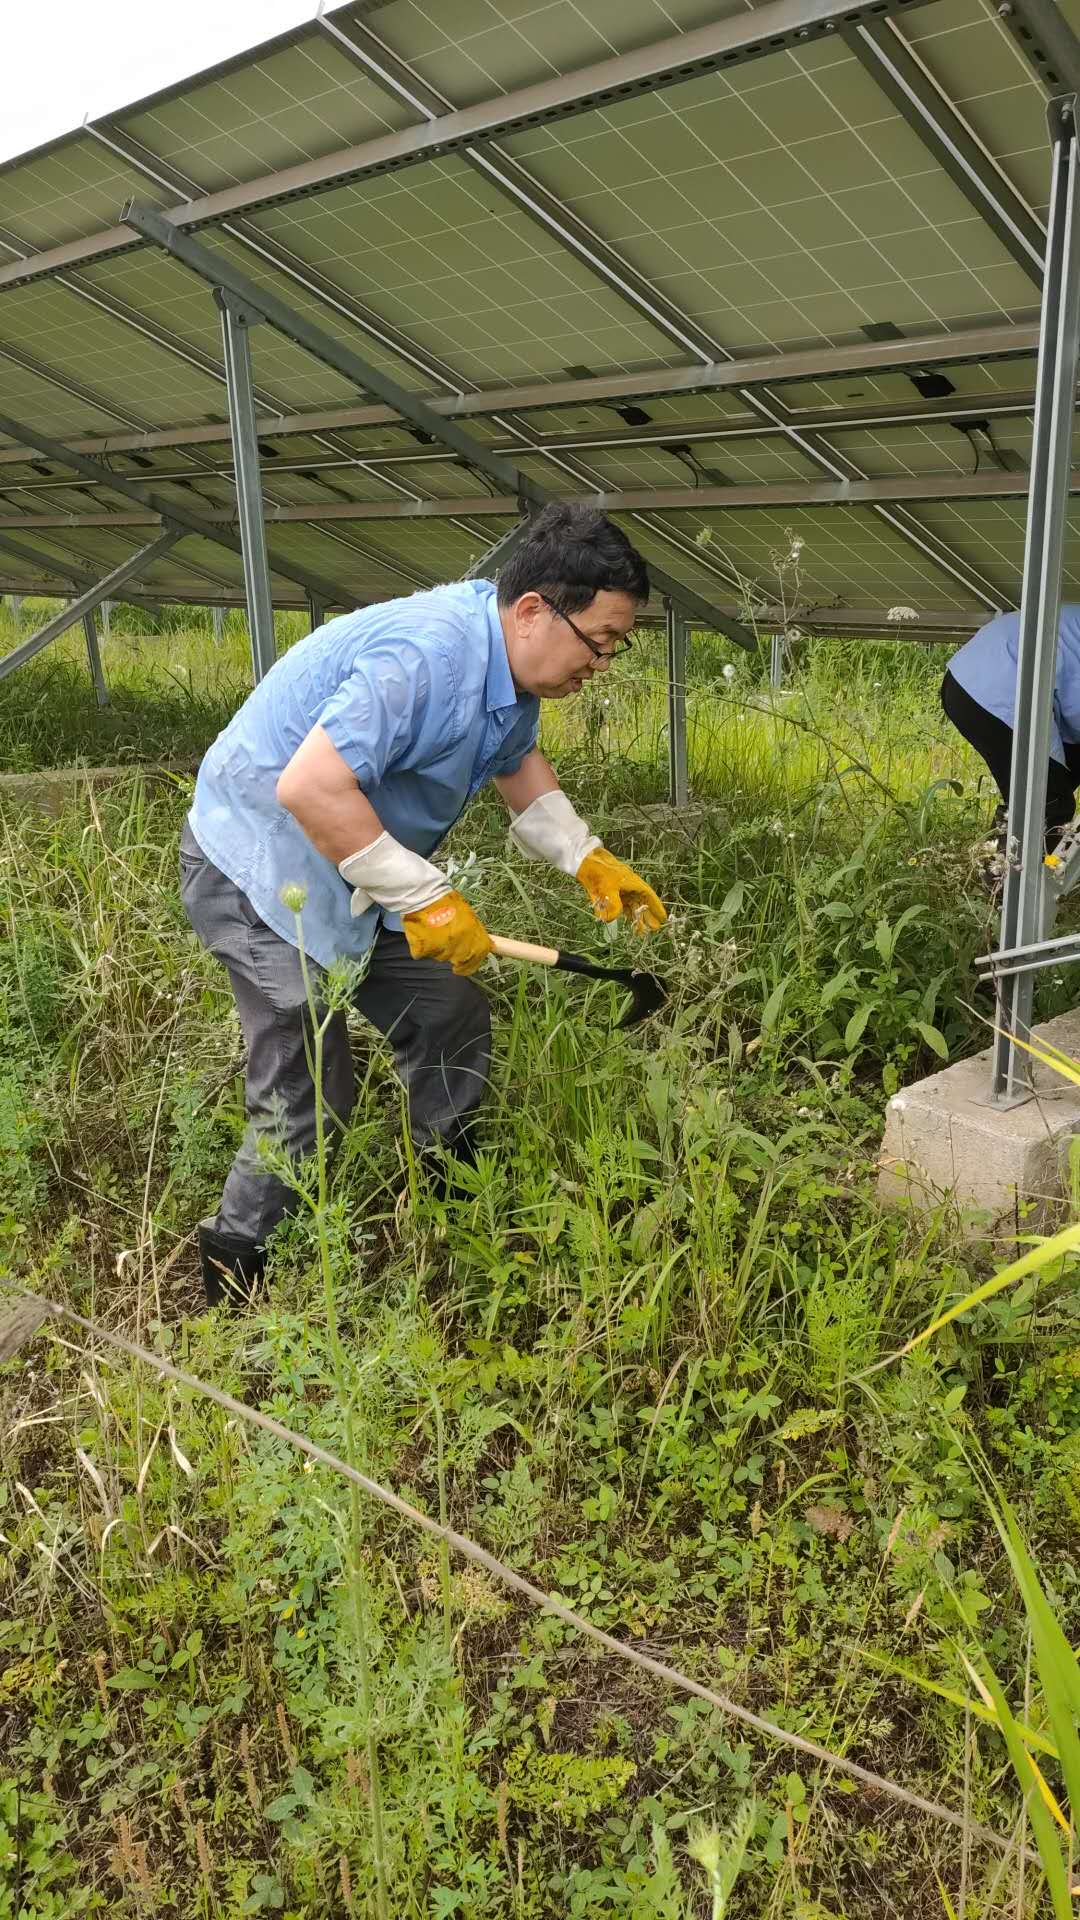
232, 1269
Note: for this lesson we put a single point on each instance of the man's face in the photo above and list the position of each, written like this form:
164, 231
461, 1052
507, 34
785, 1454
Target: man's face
551, 654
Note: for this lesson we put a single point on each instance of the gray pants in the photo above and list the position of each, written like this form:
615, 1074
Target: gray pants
438, 1024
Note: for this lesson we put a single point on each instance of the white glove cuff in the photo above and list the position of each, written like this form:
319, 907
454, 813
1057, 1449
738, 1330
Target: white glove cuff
549, 829
386, 874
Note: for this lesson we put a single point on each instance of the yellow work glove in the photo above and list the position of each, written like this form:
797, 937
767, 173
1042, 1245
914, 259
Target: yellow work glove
449, 930
615, 888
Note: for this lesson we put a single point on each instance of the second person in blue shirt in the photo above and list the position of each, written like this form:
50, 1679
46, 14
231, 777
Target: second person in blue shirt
978, 695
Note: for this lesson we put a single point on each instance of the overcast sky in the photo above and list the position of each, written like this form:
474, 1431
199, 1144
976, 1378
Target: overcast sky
64, 59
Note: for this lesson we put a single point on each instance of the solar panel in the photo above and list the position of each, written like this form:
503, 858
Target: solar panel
648, 201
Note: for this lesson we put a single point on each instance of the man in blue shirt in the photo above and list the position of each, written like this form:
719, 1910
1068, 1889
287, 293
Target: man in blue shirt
339, 776
978, 695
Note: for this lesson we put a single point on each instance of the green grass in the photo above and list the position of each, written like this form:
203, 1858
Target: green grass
628, 1363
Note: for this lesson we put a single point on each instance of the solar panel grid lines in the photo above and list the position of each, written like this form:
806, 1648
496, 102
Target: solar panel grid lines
701, 51
544, 275
432, 104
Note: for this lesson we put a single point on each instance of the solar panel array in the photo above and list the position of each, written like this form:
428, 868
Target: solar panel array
752, 275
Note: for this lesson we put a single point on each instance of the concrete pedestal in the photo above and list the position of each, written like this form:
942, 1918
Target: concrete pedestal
52, 789
944, 1141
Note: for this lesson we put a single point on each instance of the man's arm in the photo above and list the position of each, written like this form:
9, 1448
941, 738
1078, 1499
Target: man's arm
534, 777
318, 787
546, 827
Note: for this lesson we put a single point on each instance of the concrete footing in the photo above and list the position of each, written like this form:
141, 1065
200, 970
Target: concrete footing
1006, 1166
50, 790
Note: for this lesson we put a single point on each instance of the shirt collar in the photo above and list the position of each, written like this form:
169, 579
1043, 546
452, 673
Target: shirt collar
499, 690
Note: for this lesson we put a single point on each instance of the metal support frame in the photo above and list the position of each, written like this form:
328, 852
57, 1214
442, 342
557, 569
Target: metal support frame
213, 267
93, 655
678, 767
881, 48
976, 345
262, 303
771, 494
316, 612
1025, 900
86, 603
717, 431
572, 233
236, 343
721, 44
777, 659
158, 506
1046, 40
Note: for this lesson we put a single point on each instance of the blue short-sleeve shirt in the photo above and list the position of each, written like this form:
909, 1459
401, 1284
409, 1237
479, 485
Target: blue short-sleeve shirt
986, 668
417, 696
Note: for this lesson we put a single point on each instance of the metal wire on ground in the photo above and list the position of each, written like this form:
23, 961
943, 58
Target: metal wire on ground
35, 1309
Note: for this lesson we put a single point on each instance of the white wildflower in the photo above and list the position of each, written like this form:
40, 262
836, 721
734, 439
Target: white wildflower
729, 671
900, 614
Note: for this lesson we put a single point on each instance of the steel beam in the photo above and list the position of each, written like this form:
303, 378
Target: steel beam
206, 527
513, 181
890, 488
722, 44
827, 363
1046, 41
119, 310
917, 96
85, 604
217, 271
678, 763
213, 268
236, 346
250, 237
93, 655
1023, 907
75, 390
714, 431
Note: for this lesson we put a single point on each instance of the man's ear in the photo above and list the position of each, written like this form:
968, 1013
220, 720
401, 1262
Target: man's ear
527, 608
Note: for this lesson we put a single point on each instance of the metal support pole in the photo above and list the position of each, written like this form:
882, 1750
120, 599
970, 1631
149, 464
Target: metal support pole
217, 616
1040, 605
15, 601
235, 322
316, 612
678, 780
92, 598
106, 617
93, 654
776, 661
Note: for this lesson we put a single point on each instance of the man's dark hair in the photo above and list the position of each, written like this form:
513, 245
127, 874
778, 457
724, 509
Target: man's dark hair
570, 554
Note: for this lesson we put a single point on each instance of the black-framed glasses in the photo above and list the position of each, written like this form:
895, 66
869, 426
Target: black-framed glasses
599, 653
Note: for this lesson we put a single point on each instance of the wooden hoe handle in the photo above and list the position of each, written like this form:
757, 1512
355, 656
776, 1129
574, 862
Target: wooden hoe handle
524, 950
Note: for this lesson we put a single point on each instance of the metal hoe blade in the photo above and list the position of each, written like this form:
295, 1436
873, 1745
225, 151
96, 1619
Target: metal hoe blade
649, 995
